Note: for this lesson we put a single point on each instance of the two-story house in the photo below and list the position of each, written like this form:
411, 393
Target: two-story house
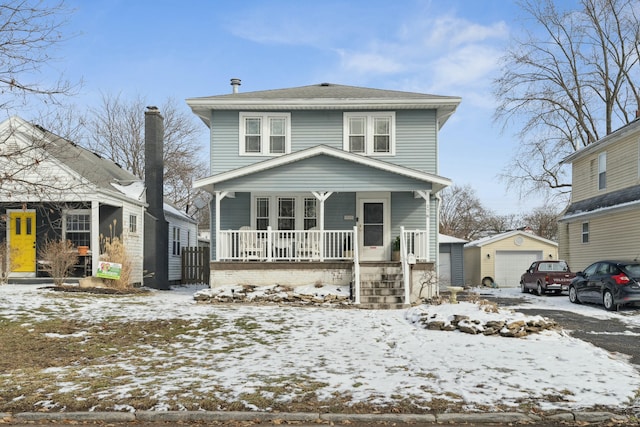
315, 184
603, 219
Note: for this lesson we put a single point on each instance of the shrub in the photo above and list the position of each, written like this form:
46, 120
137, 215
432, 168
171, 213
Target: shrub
7, 260
113, 250
59, 257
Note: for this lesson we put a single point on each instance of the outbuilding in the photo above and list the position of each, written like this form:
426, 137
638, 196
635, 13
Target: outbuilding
500, 260
451, 260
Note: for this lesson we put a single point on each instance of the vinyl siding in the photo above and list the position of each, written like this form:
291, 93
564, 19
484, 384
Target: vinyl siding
622, 169
323, 173
134, 242
416, 138
187, 229
615, 235
457, 261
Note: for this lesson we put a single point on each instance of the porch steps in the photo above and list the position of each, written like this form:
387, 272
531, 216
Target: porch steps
381, 287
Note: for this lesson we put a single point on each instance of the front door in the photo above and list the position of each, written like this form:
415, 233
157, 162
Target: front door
373, 228
22, 241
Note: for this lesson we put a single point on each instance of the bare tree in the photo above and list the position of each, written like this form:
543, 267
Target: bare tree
567, 83
543, 221
116, 131
29, 32
461, 213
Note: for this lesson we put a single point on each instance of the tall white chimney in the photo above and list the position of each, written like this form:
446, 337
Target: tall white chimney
235, 83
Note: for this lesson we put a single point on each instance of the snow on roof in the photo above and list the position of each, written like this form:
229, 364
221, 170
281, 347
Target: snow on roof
443, 238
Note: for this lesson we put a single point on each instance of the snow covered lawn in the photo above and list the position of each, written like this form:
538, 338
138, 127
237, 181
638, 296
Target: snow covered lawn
277, 357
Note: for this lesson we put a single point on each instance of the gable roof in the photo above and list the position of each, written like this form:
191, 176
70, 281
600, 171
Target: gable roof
501, 236
86, 165
445, 238
208, 183
325, 96
633, 126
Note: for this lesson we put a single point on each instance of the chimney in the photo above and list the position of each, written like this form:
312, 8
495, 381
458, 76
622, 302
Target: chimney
156, 228
235, 83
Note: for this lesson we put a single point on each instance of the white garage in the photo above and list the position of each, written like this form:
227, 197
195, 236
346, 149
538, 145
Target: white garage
511, 264
500, 260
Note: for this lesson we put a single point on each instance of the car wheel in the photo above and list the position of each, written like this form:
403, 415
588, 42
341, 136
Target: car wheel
523, 288
607, 300
539, 289
573, 295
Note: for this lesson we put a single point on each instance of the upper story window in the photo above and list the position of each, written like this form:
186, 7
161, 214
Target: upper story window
265, 134
602, 171
370, 133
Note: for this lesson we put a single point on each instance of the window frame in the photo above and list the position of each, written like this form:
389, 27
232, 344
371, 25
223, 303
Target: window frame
584, 232
602, 171
370, 118
175, 240
265, 133
66, 223
133, 224
300, 217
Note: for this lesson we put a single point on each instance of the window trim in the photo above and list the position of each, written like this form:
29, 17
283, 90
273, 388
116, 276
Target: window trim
369, 132
175, 243
584, 235
65, 216
133, 224
299, 201
265, 146
602, 171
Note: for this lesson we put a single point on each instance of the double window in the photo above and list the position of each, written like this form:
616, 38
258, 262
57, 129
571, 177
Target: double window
290, 212
369, 133
77, 227
265, 134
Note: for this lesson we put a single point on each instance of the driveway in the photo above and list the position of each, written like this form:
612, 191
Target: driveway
610, 331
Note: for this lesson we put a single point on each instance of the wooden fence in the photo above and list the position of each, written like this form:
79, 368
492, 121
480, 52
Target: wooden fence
195, 265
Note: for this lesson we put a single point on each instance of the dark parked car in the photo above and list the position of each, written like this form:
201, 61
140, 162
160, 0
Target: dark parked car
546, 276
611, 283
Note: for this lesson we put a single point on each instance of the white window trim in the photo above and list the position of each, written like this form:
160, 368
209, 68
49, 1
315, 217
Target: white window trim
175, 228
66, 213
135, 224
264, 145
583, 233
602, 168
273, 208
368, 143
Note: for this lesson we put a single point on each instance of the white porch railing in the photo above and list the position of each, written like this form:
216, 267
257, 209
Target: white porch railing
294, 245
414, 246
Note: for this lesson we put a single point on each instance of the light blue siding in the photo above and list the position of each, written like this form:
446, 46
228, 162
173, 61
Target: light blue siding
416, 139
409, 211
323, 173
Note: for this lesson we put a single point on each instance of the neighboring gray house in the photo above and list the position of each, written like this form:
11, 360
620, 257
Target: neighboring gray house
183, 233
451, 261
314, 183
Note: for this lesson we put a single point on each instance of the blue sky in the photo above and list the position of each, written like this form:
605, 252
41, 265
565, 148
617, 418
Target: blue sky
181, 49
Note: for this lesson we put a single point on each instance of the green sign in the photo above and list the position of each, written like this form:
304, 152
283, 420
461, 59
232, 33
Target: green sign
109, 270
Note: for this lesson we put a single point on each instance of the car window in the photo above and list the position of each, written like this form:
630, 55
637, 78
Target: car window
603, 268
590, 270
632, 269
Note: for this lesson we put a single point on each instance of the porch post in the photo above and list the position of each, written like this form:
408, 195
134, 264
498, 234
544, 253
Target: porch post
95, 236
426, 195
321, 196
219, 196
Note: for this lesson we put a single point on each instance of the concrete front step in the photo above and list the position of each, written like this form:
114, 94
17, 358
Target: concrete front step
376, 291
370, 306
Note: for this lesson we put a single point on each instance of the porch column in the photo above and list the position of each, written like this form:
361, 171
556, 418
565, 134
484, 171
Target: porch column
219, 196
95, 236
426, 195
321, 196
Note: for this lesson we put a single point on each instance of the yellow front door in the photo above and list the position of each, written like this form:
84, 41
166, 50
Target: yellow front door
22, 240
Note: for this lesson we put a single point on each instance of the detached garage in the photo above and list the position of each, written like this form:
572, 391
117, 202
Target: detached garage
500, 260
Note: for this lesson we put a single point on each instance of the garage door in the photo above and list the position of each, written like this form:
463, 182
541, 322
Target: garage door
511, 264
444, 269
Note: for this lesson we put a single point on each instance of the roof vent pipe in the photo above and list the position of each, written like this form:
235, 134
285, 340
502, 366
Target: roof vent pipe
235, 83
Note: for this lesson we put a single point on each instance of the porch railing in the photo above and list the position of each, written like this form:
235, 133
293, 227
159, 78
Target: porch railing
291, 245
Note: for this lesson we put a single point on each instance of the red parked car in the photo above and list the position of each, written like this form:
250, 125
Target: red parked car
547, 276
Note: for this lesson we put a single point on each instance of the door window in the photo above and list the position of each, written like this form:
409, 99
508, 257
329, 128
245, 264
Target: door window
373, 224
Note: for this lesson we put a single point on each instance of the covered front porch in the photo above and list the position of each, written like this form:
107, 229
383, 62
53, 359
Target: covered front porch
270, 225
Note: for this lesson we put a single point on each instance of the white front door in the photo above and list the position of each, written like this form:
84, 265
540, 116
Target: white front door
374, 226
